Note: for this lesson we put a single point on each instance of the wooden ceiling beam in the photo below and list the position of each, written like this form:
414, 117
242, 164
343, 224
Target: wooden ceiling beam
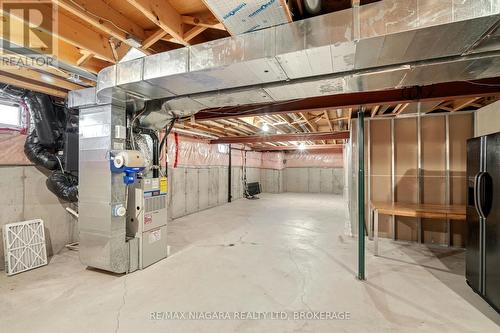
308, 121
19, 61
86, 56
298, 137
164, 15
338, 148
402, 108
100, 15
69, 31
463, 103
193, 32
374, 110
24, 83
226, 127
207, 23
64, 52
153, 38
42, 78
203, 128
327, 116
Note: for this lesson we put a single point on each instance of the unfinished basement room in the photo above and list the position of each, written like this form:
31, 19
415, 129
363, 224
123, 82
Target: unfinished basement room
250, 166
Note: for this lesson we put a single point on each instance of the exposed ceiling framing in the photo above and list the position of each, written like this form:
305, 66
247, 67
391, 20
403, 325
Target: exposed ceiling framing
94, 34
333, 113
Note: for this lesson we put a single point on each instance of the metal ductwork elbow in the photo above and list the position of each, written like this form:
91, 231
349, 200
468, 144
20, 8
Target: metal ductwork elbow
312, 7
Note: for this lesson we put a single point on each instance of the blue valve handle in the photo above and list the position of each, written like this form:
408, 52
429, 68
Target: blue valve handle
130, 176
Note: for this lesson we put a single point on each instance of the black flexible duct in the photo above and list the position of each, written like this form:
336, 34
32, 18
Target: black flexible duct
43, 142
38, 154
64, 185
44, 118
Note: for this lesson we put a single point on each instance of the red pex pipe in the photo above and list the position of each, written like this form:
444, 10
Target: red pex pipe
176, 160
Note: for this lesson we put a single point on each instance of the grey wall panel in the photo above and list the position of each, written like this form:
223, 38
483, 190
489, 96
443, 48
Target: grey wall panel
25, 197
253, 175
192, 191
314, 180
236, 188
338, 181
265, 184
281, 181
195, 189
292, 181
178, 192
203, 188
223, 177
213, 186
326, 180
303, 179
263, 180
271, 180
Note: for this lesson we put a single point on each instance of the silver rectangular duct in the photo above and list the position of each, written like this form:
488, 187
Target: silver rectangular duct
102, 235
383, 45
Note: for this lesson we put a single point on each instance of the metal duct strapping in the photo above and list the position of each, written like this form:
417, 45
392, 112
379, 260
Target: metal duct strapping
383, 45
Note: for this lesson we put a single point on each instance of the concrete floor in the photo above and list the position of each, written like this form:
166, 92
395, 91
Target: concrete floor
284, 252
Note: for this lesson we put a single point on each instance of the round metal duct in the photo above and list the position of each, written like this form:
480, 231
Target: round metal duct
313, 7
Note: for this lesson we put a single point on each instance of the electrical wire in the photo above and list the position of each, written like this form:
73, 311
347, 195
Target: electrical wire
60, 164
100, 18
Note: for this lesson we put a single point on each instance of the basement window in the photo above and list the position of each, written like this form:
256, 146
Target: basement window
10, 117
223, 149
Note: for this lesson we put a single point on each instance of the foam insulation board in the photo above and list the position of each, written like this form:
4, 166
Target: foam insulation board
250, 15
213, 189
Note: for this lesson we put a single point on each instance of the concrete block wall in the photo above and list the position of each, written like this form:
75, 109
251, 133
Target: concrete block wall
25, 197
314, 180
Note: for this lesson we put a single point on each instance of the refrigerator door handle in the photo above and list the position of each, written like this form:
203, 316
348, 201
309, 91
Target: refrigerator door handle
477, 194
482, 190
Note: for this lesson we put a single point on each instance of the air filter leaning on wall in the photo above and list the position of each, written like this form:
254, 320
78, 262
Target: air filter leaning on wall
24, 246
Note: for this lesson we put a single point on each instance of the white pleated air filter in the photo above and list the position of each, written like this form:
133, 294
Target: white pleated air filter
24, 246
249, 15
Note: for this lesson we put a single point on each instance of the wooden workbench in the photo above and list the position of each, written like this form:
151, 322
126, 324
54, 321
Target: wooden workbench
428, 211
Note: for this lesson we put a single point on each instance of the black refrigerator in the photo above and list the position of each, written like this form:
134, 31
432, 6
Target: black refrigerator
483, 217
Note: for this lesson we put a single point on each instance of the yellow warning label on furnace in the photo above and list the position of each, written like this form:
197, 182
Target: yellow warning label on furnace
163, 185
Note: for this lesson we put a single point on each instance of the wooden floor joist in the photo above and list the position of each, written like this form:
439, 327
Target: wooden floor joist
318, 136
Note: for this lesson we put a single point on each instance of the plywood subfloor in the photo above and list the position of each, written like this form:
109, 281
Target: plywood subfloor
284, 252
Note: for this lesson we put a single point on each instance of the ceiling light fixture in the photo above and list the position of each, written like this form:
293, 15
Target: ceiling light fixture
265, 127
